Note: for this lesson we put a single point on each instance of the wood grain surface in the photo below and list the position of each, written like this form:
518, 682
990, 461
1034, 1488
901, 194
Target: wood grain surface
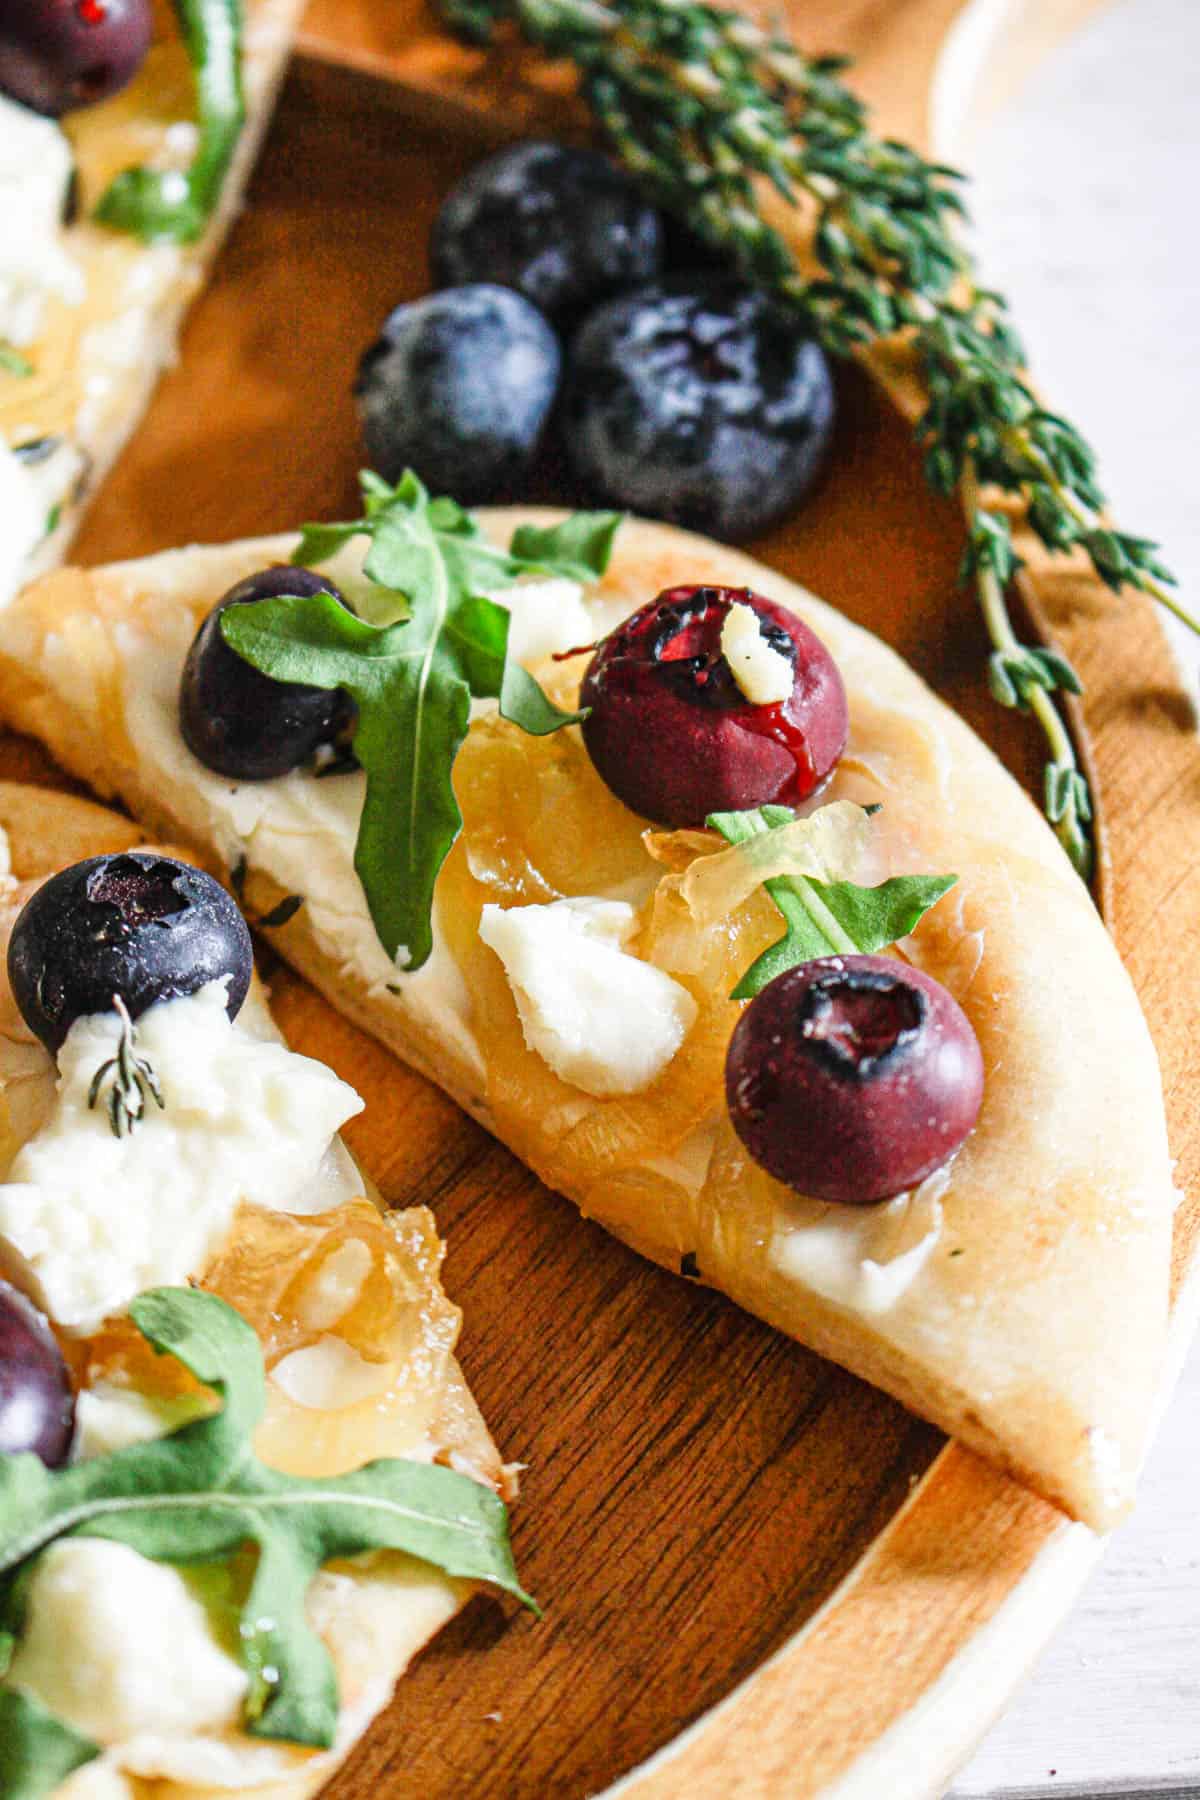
705, 1504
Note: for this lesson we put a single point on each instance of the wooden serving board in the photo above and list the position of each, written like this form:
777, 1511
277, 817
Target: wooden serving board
760, 1577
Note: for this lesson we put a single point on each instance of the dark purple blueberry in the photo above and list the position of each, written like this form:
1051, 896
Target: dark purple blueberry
59, 54
141, 926
458, 388
236, 719
696, 401
37, 1407
565, 227
852, 1078
673, 735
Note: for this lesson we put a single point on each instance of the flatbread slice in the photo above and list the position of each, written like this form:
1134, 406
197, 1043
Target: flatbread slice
1018, 1300
374, 1613
106, 323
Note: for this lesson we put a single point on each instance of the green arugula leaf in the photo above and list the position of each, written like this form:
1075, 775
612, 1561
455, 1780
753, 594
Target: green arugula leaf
413, 679
12, 362
826, 918
170, 206
200, 1494
37, 1751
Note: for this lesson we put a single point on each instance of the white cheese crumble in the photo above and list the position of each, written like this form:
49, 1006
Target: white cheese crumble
116, 1645
863, 1257
546, 617
35, 173
89, 1220
763, 674
601, 1018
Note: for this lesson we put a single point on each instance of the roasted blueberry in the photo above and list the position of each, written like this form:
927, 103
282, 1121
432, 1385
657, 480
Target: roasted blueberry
37, 1407
565, 227
137, 925
236, 719
458, 388
59, 54
852, 1078
696, 401
674, 735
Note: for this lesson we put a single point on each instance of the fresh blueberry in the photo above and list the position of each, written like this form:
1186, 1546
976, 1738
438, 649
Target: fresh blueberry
458, 388
565, 227
37, 1406
36, 1401
696, 401
852, 1078
59, 54
238, 721
141, 926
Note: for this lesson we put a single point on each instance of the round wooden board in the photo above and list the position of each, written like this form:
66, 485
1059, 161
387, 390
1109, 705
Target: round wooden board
760, 1576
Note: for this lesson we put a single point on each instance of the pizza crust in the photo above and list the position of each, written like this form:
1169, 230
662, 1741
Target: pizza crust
375, 1614
1055, 1228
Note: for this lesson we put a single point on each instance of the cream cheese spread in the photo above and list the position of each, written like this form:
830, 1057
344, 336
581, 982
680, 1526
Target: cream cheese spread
36, 166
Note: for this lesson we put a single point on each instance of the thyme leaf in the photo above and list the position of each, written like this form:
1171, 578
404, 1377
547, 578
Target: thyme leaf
705, 107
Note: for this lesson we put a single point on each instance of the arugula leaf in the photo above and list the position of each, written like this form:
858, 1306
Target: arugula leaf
37, 1751
169, 206
413, 679
200, 1494
826, 918
12, 362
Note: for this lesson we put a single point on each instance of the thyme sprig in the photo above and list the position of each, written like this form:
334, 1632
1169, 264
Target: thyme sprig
131, 1077
704, 106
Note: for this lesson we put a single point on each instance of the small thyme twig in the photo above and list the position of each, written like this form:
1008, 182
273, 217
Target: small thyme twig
131, 1076
703, 106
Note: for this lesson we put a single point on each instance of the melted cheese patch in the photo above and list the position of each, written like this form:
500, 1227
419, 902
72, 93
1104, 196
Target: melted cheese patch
861, 1257
90, 1220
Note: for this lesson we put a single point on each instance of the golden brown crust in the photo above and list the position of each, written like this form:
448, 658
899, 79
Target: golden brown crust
1055, 1237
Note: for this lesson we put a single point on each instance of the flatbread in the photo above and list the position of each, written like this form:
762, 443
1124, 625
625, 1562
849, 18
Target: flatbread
96, 362
1020, 1302
375, 1613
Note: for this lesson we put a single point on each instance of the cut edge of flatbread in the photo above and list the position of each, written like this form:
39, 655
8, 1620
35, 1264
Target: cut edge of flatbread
377, 1615
1006, 1337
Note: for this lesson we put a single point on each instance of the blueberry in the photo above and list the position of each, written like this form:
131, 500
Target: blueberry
852, 1078
565, 227
139, 925
673, 736
237, 720
59, 54
458, 388
696, 401
37, 1406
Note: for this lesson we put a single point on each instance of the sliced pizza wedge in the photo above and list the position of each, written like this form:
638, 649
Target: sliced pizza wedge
92, 293
259, 1483
571, 977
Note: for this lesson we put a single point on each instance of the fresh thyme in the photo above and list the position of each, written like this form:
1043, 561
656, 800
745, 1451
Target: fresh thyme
705, 107
131, 1076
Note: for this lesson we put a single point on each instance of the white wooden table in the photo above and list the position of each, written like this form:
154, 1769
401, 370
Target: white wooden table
1086, 198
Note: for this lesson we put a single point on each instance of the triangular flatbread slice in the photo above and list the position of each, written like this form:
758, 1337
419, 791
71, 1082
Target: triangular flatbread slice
309, 1283
1020, 1303
95, 317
